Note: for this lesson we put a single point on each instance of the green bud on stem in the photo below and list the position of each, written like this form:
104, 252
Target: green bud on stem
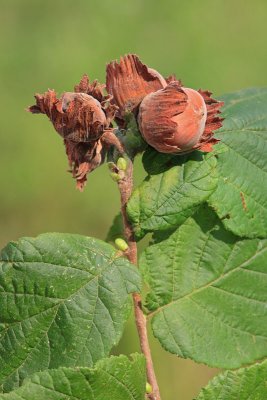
115, 177
148, 388
121, 244
111, 166
122, 164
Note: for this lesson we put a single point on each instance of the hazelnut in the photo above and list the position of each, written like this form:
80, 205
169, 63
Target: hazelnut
178, 119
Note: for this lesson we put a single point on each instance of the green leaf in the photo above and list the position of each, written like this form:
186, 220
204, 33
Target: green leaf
116, 229
155, 162
245, 384
165, 200
63, 300
241, 197
116, 378
208, 293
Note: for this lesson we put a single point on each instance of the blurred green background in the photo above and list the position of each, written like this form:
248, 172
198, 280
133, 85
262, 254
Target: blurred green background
219, 45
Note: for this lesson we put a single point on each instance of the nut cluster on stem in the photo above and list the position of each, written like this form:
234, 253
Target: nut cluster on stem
170, 117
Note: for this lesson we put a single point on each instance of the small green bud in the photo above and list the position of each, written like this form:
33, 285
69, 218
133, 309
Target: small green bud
122, 164
148, 388
111, 165
121, 244
115, 177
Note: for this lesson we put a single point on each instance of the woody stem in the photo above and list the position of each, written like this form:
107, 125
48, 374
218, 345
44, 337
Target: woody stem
126, 187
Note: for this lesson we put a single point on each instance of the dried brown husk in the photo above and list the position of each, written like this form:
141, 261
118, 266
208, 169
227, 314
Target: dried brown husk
81, 118
129, 81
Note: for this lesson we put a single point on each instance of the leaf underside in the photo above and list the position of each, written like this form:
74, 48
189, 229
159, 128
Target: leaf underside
116, 378
208, 293
64, 300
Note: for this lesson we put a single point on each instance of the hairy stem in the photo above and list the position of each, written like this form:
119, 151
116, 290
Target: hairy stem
126, 187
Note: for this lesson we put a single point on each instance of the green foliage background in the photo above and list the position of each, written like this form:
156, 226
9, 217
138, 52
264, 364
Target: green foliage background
213, 44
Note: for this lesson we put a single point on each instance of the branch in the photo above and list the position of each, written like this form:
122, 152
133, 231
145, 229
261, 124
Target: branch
126, 187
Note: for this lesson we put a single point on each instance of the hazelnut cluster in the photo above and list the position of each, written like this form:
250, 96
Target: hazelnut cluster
171, 118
